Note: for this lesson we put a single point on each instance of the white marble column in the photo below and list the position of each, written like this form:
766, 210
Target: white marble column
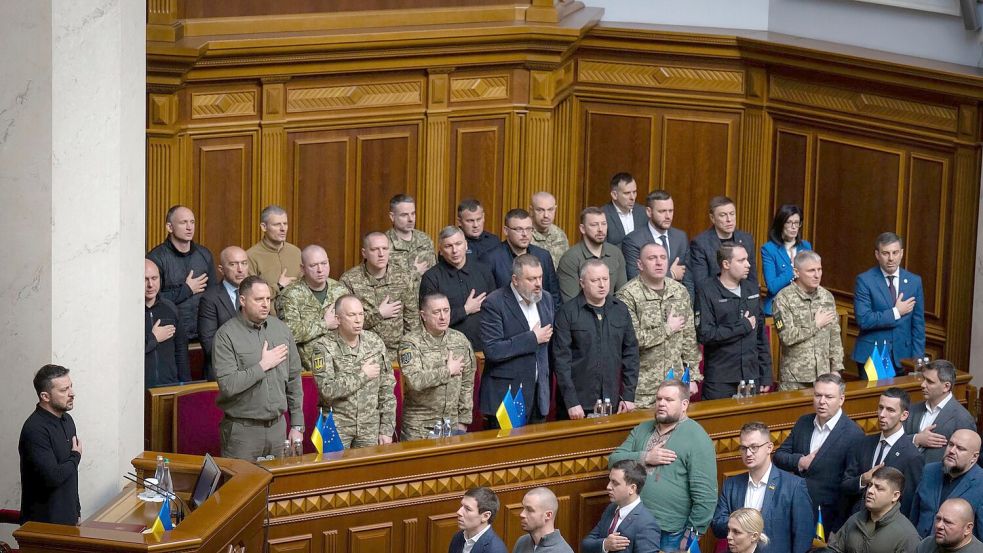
72, 194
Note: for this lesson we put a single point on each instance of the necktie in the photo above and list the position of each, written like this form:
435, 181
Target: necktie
614, 521
891, 288
881, 453
665, 244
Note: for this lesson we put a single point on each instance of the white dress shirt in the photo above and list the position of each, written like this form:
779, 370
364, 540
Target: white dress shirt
627, 220
820, 433
754, 497
932, 414
469, 542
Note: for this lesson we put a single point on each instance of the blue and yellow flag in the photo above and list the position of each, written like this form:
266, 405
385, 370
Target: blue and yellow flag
316, 437
329, 434
873, 366
504, 409
163, 520
819, 540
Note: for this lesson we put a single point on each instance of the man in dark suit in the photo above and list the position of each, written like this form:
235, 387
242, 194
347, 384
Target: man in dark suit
703, 248
933, 421
518, 235
819, 447
956, 476
516, 327
220, 303
478, 509
782, 498
889, 305
626, 525
659, 230
623, 214
891, 448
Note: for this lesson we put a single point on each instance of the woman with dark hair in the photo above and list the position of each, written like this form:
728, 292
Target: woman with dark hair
784, 241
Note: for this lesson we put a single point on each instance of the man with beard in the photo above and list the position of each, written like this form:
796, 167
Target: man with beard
880, 525
956, 476
593, 232
681, 488
546, 235
953, 530
221, 303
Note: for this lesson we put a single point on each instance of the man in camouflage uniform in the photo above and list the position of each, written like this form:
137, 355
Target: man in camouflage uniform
545, 234
354, 378
808, 326
412, 250
664, 325
438, 367
307, 305
388, 294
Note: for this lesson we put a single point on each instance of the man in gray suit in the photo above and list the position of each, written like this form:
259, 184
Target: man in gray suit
624, 215
659, 230
933, 421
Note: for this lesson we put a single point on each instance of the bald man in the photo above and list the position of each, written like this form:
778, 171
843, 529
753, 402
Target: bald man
545, 234
221, 303
953, 530
957, 476
165, 359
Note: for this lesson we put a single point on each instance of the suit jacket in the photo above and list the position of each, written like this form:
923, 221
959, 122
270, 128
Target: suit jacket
952, 417
790, 519
873, 306
489, 542
616, 231
903, 456
703, 255
825, 475
214, 309
632, 246
777, 267
500, 259
512, 354
927, 497
639, 527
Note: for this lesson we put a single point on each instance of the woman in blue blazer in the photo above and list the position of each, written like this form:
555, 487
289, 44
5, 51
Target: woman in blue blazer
784, 241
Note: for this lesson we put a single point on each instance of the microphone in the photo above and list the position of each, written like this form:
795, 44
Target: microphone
182, 505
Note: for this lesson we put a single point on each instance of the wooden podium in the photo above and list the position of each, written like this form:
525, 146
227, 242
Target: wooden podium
230, 521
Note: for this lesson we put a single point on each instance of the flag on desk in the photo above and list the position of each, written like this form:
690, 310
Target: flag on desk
874, 366
163, 520
819, 540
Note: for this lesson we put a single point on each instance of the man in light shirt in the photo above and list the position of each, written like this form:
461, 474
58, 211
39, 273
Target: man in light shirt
478, 509
626, 525
933, 421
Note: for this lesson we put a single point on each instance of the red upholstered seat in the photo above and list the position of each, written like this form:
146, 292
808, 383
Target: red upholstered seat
196, 419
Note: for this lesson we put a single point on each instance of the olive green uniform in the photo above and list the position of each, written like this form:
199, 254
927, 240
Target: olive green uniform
405, 254
807, 351
300, 309
397, 285
554, 240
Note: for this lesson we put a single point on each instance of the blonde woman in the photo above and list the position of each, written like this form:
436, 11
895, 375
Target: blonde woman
745, 530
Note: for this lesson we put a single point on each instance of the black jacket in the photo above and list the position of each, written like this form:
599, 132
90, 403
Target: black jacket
164, 363
457, 284
49, 473
732, 350
174, 268
703, 255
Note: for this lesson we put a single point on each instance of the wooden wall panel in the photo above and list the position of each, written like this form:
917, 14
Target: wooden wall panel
477, 167
925, 240
616, 142
223, 179
791, 162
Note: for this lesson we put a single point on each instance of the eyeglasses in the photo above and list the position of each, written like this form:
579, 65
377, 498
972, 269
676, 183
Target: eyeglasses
752, 448
521, 230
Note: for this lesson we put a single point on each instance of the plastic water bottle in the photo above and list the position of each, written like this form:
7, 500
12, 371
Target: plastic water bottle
740, 390
166, 484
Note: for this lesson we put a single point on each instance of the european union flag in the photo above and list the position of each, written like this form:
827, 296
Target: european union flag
329, 433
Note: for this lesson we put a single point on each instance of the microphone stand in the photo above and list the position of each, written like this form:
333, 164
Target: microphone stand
182, 505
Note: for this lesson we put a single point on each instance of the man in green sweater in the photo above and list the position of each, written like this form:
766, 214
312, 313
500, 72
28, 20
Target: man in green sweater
681, 490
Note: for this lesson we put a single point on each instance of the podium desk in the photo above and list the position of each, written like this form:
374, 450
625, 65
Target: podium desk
230, 521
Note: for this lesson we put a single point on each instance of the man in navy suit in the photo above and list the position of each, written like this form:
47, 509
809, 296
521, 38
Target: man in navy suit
891, 448
220, 303
782, 498
626, 525
933, 421
478, 509
819, 447
624, 215
516, 327
889, 305
518, 235
659, 230
703, 249
956, 476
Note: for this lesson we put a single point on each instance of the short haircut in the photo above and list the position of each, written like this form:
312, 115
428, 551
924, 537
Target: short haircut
756, 426
341, 300
447, 232
469, 204
374, 234
486, 499
782, 216
726, 252
171, 210
432, 296
831, 378
246, 286
593, 262
886, 239
751, 521
945, 369
400, 199
590, 211
44, 376
891, 475
517, 213
620, 178
548, 498
657, 196
635, 472
898, 393
806, 256
524, 260
270, 210
673, 383
719, 201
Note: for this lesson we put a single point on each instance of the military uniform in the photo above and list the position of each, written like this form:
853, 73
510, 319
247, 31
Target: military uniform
399, 286
406, 254
658, 350
304, 315
807, 351
430, 393
364, 408
554, 240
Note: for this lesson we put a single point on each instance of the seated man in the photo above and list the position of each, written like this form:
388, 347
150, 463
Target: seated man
626, 524
538, 518
478, 509
880, 525
956, 476
953, 530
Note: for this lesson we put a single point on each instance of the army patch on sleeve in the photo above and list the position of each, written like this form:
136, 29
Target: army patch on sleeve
318, 362
405, 357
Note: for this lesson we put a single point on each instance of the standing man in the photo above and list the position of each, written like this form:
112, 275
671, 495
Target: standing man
388, 294
592, 245
819, 449
703, 249
933, 421
412, 249
307, 306
50, 453
475, 517
623, 214
889, 305
731, 327
355, 378
165, 352
221, 303
518, 234
880, 525
538, 519
257, 368
516, 327
808, 326
626, 525
471, 220
438, 366
186, 269
953, 530
956, 476
681, 488
594, 347
782, 498
662, 316
659, 230
546, 235
273, 258
464, 280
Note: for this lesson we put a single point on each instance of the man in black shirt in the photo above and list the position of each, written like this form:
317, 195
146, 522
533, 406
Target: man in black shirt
50, 453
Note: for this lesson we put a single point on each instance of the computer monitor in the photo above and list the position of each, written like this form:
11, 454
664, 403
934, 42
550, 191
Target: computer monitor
208, 480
